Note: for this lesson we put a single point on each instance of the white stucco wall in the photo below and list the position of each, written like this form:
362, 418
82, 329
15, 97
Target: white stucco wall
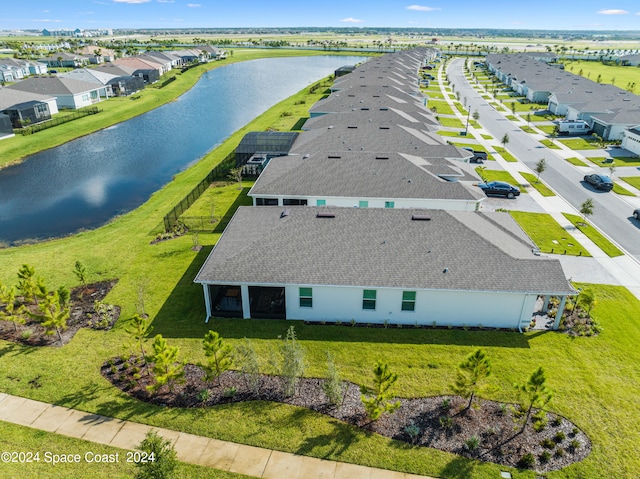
454, 205
631, 142
442, 308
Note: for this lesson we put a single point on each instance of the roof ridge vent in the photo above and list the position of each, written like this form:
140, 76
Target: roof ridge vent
420, 218
325, 214
334, 156
382, 157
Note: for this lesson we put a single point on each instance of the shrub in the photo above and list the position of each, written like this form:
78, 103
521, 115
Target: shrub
229, 392
472, 443
527, 461
412, 431
548, 444
333, 386
204, 395
377, 399
446, 422
545, 456
574, 444
559, 437
161, 458
26, 334
560, 452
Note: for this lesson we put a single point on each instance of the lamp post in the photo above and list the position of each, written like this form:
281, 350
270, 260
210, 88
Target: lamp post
466, 130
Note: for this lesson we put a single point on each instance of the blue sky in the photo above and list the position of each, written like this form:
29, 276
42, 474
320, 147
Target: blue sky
532, 14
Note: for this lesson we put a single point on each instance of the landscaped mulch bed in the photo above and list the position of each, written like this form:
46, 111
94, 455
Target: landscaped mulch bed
82, 315
442, 422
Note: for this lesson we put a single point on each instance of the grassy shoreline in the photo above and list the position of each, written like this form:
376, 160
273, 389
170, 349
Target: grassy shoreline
116, 110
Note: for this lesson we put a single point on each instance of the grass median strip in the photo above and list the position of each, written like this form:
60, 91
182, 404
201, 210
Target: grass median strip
594, 235
548, 235
505, 154
537, 184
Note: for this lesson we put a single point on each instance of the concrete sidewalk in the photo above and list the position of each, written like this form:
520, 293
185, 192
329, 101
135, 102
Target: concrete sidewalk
204, 451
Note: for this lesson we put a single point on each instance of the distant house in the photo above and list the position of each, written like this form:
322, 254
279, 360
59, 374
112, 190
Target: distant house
69, 93
6, 130
630, 60
67, 60
92, 75
631, 140
367, 180
28, 113
126, 85
149, 69
378, 266
10, 97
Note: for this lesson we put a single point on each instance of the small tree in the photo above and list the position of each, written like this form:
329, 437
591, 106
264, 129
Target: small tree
505, 140
529, 119
612, 170
219, 356
377, 399
249, 364
292, 364
476, 115
65, 295
587, 299
534, 392
471, 371
235, 174
333, 385
586, 208
161, 458
27, 282
166, 368
8, 313
81, 273
53, 316
139, 328
541, 167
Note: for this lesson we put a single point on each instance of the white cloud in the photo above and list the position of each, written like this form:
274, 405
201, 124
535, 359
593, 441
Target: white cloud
351, 20
422, 8
46, 20
165, 1
131, 1
193, 5
613, 12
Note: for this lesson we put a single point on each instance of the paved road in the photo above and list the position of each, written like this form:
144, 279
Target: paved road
612, 212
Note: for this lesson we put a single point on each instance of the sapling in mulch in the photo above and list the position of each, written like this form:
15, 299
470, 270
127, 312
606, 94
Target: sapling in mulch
377, 399
139, 328
333, 386
534, 393
249, 365
292, 362
471, 372
219, 356
167, 370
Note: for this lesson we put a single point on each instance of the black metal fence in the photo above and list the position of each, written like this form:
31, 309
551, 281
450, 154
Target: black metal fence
91, 110
220, 172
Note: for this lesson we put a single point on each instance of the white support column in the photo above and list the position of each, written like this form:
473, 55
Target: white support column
246, 306
556, 322
545, 305
207, 301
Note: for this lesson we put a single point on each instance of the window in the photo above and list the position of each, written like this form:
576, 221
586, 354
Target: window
306, 298
369, 299
408, 301
363, 204
389, 204
321, 202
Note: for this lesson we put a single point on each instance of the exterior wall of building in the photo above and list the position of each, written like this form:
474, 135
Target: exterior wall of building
440, 204
431, 307
631, 142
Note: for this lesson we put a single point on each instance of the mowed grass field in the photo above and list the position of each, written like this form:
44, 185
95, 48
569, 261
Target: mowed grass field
610, 74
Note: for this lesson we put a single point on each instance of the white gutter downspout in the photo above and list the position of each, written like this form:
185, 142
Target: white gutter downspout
521, 313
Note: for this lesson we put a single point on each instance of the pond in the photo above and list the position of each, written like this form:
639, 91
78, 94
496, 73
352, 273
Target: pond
86, 182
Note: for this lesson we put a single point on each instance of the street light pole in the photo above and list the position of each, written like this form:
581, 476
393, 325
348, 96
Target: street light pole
466, 130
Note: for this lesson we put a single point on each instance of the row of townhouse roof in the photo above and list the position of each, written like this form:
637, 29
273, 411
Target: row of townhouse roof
36, 98
371, 217
610, 111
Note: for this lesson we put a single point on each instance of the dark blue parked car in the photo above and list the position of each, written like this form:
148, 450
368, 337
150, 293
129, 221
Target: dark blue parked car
599, 182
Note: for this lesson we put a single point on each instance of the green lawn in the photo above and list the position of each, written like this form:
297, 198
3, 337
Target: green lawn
538, 185
20, 438
580, 144
594, 235
547, 234
576, 161
451, 122
625, 161
550, 144
611, 74
497, 175
441, 107
632, 180
548, 129
505, 154
434, 95
486, 137
621, 191
447, 133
